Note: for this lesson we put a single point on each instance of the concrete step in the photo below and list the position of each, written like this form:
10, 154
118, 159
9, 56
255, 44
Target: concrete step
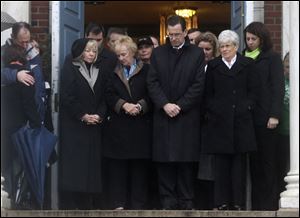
147, 213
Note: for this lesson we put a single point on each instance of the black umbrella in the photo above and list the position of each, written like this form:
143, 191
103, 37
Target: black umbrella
7, 21
34, 147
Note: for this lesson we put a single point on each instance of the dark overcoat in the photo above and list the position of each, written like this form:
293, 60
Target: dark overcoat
128, 137
80, 144
270, 102
230, 97
18, 107
176, 77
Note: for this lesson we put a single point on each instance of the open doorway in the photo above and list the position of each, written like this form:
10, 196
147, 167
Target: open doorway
143, 17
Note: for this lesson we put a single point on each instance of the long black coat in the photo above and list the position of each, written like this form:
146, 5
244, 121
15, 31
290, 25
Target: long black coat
176, 78
270, 103
230, 96
128, 137
80, 144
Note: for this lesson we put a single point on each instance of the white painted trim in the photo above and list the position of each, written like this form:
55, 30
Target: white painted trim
55, 24
290, 197
249, 12
285, 28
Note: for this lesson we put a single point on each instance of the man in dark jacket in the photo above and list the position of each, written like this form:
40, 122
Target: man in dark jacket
175, 83
106, 59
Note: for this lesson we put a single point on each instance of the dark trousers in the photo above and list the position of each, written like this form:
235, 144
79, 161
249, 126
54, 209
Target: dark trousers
176, 185
204, 194
128, 183
230, 180
77, 200
263, 168
283, 160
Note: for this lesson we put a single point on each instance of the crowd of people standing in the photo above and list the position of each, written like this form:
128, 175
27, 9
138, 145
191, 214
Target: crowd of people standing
141, 122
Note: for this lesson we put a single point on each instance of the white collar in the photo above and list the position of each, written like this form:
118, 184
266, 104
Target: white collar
229, 65
179, 47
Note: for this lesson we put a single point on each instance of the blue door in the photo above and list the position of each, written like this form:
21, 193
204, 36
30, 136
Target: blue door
237, 20
67, 26
72, 25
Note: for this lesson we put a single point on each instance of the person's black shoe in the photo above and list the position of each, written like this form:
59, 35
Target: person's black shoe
237, 207
187, 205
223, 207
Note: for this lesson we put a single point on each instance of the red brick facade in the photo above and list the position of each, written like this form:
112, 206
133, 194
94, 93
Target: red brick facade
40, 20
273, 20
40, 32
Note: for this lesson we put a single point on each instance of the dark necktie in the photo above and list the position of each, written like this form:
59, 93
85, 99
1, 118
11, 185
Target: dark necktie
128, 70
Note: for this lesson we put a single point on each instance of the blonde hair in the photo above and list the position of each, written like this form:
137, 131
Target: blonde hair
126, 41
212, 39
93, 45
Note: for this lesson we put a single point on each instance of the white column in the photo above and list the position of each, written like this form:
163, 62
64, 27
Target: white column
290, 197
55, 28
254, 11
285, 28
5, 202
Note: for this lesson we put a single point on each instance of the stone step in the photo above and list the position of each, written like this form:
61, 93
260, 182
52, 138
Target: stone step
148, 213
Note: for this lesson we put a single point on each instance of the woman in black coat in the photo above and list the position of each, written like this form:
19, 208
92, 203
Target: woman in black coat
266, 114
230, 95
18, 107
128, 129
82, 110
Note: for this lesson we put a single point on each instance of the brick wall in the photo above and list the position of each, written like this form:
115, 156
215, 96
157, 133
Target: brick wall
40, 20
40, 32
273, 20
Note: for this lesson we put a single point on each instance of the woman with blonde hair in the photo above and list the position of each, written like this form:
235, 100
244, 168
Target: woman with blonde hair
209, 43
128, 129
82, 110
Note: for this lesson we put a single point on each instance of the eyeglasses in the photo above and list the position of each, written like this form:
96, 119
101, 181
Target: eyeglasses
174, 35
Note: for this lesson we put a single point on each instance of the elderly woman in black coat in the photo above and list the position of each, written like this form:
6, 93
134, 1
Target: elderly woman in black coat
82, 110
266, 115
128, 136
230, 96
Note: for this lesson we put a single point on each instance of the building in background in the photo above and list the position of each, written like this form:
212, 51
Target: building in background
56, 24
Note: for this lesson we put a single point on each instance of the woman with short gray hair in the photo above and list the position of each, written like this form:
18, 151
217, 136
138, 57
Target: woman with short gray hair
229, 36
228, 132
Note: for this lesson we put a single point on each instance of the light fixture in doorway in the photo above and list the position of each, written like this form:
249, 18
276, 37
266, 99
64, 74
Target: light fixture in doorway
185, 12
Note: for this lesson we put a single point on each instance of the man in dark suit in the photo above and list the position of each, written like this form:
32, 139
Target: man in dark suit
106, 60
176, 83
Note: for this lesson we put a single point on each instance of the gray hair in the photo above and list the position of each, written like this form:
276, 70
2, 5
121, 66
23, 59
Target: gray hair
229, 36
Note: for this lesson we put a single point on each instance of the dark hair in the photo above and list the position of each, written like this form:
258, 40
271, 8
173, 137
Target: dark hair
95, 29
261, 31
175, 19
118, 30
17, 27
192, 30
14, 53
